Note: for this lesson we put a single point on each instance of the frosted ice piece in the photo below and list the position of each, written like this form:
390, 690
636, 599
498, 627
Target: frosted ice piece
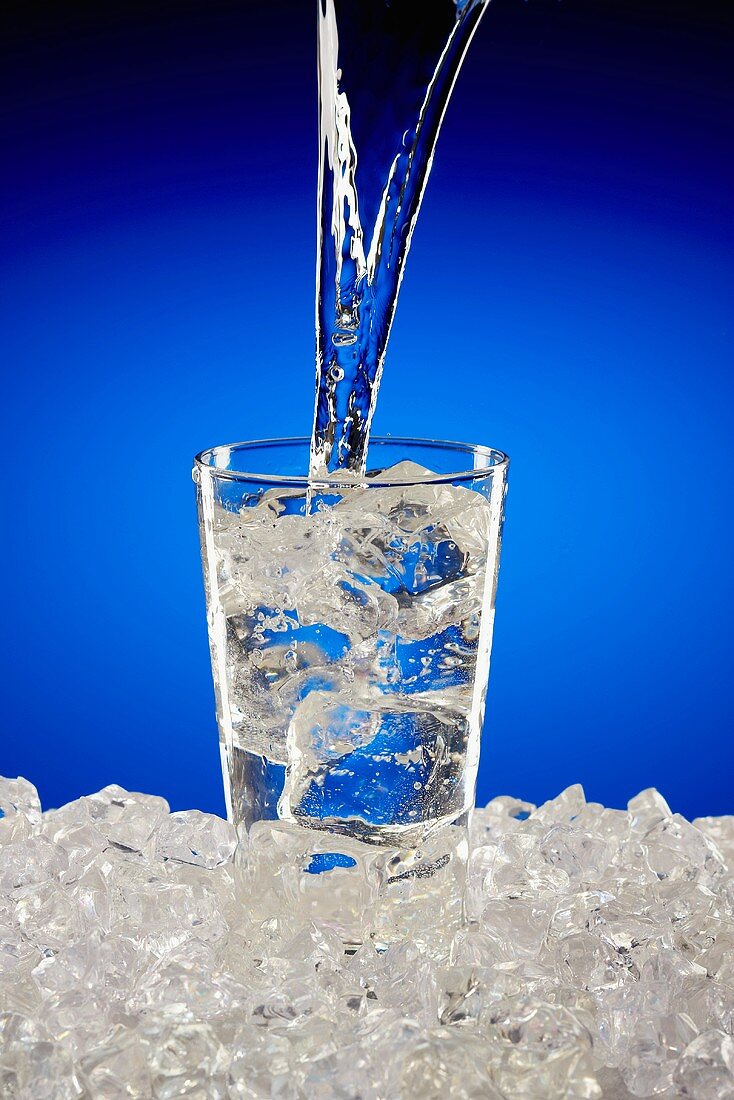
30, 862
72, 815
588, 962
339, 1073
48, 916
582, 855
635, 938
712, 946
15, 828
260, 1062
12, 946
375, 760
677, 851
458, 601
612, 1085
517, 927
710, 1004
563, 809
161, 914
19, 995
613, 825
654, 1051
316, 946
688, 906
294, 873
500, 816
18, 796
269, 552
443, 1063
521, 870
482, 860
648, 808
349, 604
461, 993
190, 836
579, 913
186, 985
69, 968
127, 819
117, 1068
77, 1018
17, 1029
83, 844
186, 1059
38, 1070
420, 535
720, 830
541, 1050
706, 1068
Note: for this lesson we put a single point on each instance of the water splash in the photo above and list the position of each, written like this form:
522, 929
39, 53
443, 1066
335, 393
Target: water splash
386, 71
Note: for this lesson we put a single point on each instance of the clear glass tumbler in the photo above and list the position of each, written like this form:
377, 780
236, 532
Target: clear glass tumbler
350, 624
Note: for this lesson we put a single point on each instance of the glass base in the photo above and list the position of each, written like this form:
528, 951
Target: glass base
376, 893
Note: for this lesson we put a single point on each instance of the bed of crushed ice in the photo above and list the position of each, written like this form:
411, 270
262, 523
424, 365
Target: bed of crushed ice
131, 965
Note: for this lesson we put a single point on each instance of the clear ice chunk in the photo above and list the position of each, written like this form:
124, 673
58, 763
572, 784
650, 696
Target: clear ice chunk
126, 819
563, 809
30, 862
18, 796
48, 916
190, 836
541, 1050
720, 830
421, 535
706, 1068
647, 809
375, 763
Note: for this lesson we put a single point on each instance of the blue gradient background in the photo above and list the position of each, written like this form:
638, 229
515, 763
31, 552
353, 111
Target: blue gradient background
568, 298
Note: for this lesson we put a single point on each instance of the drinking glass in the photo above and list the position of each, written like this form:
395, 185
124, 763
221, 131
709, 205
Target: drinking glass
350, 625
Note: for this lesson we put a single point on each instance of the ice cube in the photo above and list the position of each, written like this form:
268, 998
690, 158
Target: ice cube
348, 603
720, 830
269, 552
706, 1068
652, 1055
126, 819
191, 836
18, 796
421, 535
30, 862
648, 808
290, 872
562, 809
457, 602
48, 916
541, 1050
375, 761
442, 1064
117, 1068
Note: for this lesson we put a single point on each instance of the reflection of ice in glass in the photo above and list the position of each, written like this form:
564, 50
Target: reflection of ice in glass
355, 630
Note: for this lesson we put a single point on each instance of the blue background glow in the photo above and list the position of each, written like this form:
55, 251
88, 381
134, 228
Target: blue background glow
568, 299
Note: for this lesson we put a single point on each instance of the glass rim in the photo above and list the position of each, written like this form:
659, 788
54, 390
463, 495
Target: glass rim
495, 461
